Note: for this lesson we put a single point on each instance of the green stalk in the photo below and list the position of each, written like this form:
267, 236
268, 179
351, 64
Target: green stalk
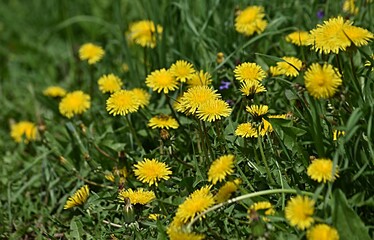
203, 142
246, 196
207, 141
264, 160
133, 133
317, 129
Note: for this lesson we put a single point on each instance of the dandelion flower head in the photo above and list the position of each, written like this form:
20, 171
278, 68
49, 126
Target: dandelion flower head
213, 109
290, 66
91, 52
109, 83
257, 110
74, 103
162, 81
142, 96
78, 198
249, 72
322, 81
122, 103
321, 170
350, 7
199, 79
251, 87
151, 171
299, 211
163, 121
220, 168
263, 206
23, 130
246, 130
140, 196
251, 20
54, 91
144, 33
197, 202
322, 232
196, 96
299, 38
225, 192
182, 70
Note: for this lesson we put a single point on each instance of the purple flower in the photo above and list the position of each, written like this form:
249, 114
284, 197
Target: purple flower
320, 14
230, 102
224, 85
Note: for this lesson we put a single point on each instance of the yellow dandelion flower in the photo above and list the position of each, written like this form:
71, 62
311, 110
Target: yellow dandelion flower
178, 106
289, 67
250, 20
142, 96
121, 173
264, 206
213, 109
140, 196
178, 234
144, 33
279, 116
74, 103
220, 57
337, 34
251, 87
91, 52
122, 103
257, 110
321, 170
275, 71
54, 91
163, 121
249, 72
322, 81
246, 130
349, 6
195, 96
23, 130
322, 232
151, 171
220, 168
225, 192
299, 211
109, 83
155, 216
78, 198
299, 38
200, 78
265, 127
182, 70
336, 134
162, 81
197, 202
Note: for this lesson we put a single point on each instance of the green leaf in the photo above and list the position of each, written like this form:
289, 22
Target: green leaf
76, 229
347, 222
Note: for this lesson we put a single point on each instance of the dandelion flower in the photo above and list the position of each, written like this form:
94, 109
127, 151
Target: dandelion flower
178, 234
91, 52
257, 110
121, 173
178, 105
321, 170
336, 134
140, 196
246, 130
23, 130
162, 80
144, 33
249, 72
322, 81
337, 34
199, 79
275, 71
279, 116
78, 198
151, 171
290, 66
122, 102
299, 38
264, 206
213, 109
74, 103
220, 57
195, 96
299, 211
265, 127
155, 216
251, 87
220, 168
54, 91
322, 232
182, 70
142, 96
199, 201
250, 20
225, 192
349, 6
109, 83
163, 121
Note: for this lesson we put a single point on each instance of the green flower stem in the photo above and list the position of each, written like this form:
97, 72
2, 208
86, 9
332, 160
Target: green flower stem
317, 128
133, 133
207, 141
202, 140
246, 196
356, 81
264, 160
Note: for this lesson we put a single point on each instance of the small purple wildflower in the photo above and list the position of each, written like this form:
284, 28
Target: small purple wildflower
320, 14
224, 85
230, 102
